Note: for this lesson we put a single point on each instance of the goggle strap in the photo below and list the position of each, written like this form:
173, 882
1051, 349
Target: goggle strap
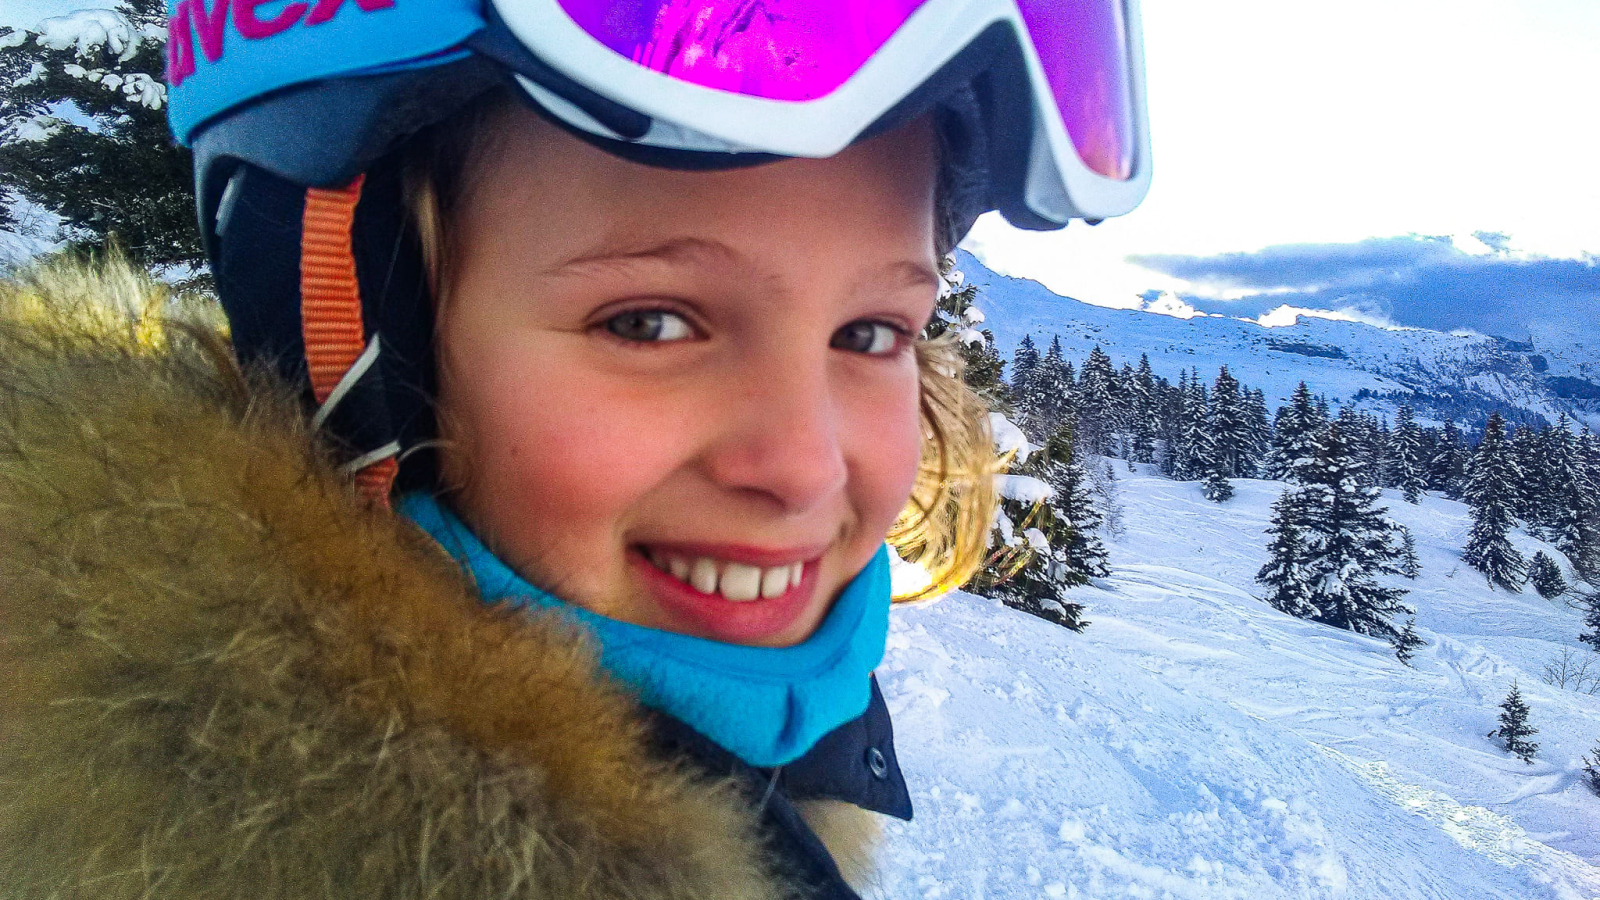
330, 314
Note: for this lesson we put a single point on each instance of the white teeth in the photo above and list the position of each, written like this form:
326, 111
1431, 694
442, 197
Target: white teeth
704, 576
774, 582
741, 582
738, 582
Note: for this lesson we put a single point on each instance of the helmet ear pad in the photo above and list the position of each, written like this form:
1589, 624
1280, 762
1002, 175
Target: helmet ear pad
256, 259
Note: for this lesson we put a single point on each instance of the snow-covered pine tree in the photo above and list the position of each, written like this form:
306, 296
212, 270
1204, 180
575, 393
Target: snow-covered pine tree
957, 314
1030, 568
1591, 620
1083, 555
1569, 501
84, 135
1491, 486
1447, 467
1049, 389
1286, 575
1193, 457
1591, 769
1143, 410
1514, 729
1410, 564
1349, 543
1255, 415
1407, 641
1545, 576
1365, 446
1294, 436
1098, 404
1171, 400
1405, 468
1024, 365
1217, 488
1528, 494
1229, 428
1586, 453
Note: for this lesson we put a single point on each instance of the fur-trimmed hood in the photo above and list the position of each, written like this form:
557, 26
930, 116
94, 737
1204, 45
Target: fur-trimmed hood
226, 676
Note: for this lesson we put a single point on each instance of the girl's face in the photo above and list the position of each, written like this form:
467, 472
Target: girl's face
687, 400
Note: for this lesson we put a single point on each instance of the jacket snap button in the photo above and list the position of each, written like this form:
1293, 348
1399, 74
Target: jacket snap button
876, 762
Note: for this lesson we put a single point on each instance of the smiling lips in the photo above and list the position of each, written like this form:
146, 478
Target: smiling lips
729, 593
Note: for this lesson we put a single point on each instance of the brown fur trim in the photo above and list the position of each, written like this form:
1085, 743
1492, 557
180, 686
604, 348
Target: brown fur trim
851, 835
226, 677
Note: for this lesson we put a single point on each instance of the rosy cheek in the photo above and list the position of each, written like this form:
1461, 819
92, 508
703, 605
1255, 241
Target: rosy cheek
889, 452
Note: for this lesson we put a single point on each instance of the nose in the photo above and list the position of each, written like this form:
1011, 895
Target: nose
781, 437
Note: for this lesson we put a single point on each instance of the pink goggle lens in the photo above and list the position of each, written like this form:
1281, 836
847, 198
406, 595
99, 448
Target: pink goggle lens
773, 49
1083, 48
805, 49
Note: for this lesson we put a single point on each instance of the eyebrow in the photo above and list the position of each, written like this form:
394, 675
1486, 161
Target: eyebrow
679, 251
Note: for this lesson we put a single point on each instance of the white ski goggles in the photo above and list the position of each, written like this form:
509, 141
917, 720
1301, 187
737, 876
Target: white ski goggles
808, 77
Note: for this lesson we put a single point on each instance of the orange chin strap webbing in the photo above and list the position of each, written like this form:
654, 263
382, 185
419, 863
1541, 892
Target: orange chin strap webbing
330, 314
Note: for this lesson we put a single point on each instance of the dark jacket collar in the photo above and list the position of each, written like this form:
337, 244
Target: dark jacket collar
854, 763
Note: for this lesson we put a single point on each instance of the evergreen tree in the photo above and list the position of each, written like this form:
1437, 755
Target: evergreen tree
83, 134
1591, 769
1049, 389
1143, 411
1260, 431
1172, 399
1514, 729
1097, 403
1569, 499
1024, 363
1586, 456
1083, 555
1046, 547
1407, 641
1349, 543
1362, 440
1228, 426
1405, 468
1591, 621
1447, 467
1491, 485
1217, 487
1546, 576
1294, 436
1287, 574
1410, 565
1526, 498
1193, 456
957, 314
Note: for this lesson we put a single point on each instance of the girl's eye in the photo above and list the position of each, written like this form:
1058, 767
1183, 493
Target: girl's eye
872, 338
649, 325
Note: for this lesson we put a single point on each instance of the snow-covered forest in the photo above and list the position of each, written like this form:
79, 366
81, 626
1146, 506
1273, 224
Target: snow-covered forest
1317, 653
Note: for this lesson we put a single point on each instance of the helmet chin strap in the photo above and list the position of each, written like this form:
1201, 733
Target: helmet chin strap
337, 350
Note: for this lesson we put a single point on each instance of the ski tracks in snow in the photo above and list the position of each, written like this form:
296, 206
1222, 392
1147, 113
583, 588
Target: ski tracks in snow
1057, 770
1482, 831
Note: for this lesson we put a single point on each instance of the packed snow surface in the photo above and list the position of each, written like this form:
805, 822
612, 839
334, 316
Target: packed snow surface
1195, 743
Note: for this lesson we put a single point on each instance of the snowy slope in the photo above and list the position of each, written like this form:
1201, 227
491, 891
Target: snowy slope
1336, 358
1195, 743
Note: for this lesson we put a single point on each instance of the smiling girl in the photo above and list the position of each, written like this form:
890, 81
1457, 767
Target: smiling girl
537, 549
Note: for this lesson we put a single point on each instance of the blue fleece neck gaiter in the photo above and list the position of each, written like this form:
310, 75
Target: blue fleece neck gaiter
768, 706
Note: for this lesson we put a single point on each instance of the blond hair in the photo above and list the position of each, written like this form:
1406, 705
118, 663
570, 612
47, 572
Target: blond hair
945, 525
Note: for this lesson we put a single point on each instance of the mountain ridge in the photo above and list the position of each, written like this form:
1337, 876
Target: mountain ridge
1464, 376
